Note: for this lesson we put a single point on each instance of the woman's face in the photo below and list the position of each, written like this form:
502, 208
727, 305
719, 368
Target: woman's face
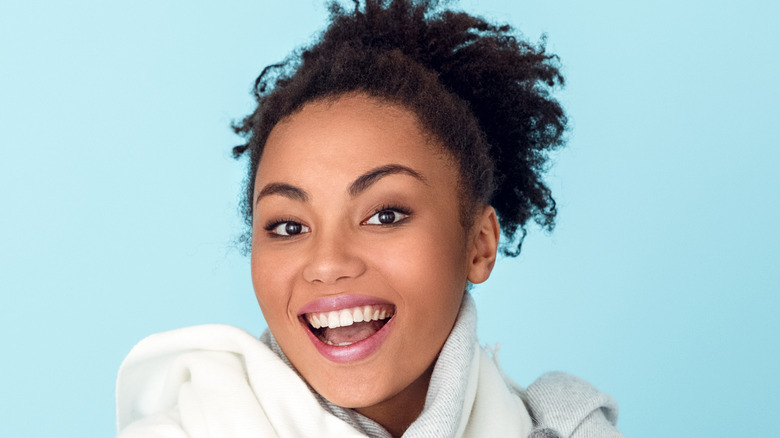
359, 259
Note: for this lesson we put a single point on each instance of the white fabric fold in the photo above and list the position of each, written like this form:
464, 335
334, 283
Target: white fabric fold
219, 381
216, 381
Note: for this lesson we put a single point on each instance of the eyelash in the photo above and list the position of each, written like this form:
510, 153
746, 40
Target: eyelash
273, 224
390, 207
386, 207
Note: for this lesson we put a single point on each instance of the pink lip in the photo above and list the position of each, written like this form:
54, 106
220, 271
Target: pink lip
338, 302
353, 352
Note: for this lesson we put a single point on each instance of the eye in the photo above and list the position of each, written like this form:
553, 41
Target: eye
287, 229
386, 217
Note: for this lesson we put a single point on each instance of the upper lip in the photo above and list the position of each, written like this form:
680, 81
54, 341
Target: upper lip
338, 302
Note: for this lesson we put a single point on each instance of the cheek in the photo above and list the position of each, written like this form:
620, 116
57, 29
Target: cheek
445, 252
272, 282
432, 263
446, 269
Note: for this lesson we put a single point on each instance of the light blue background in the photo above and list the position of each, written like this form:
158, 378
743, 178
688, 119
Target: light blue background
118, 202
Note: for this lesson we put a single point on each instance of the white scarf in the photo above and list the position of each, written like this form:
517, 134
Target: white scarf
219, 381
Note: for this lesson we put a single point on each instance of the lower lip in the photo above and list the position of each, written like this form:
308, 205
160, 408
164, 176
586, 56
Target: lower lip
353, 352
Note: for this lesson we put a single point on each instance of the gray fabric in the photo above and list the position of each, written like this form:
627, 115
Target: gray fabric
561, 405
543, 433
447, 390
571, 407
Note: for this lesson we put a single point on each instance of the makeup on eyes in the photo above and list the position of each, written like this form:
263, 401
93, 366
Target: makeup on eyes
273, 225
394, 208
295, 227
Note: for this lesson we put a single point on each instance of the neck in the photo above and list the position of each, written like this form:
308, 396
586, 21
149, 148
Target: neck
397, 413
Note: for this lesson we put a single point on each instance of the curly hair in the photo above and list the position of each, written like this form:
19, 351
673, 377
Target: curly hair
480, 90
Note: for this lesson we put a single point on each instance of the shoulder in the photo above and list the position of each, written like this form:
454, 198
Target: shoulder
567, 406
196, 338
152, 375
218, 381
187, 347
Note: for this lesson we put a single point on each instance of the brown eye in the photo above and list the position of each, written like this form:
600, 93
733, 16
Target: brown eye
386, 217
289, 229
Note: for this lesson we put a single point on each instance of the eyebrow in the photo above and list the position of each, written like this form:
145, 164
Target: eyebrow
363, 182
282, 189
360, 185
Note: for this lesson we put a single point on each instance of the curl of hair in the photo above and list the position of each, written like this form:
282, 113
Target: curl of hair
481, 91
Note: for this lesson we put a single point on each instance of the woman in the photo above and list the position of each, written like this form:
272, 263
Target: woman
382, 161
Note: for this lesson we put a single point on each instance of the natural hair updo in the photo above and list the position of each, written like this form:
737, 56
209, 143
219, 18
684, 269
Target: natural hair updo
482, 93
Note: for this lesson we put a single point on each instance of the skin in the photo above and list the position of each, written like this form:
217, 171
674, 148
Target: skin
421, 263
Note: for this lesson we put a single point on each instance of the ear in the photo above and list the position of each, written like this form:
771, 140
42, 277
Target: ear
484, 244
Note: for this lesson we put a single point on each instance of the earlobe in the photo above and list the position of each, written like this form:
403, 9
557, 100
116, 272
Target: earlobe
484, 246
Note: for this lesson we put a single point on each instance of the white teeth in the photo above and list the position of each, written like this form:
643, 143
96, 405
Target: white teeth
333, 320
346, 317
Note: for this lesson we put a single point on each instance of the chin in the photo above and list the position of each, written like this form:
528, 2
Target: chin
356, 391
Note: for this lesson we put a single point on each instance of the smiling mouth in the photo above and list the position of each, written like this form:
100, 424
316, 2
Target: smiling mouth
347, 326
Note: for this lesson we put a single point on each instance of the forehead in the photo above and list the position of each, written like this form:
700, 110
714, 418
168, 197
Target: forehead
346, 135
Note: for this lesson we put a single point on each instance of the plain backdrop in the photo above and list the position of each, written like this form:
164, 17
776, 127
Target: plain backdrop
118, 202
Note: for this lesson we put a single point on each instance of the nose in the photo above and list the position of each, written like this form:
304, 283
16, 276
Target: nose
333, 257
